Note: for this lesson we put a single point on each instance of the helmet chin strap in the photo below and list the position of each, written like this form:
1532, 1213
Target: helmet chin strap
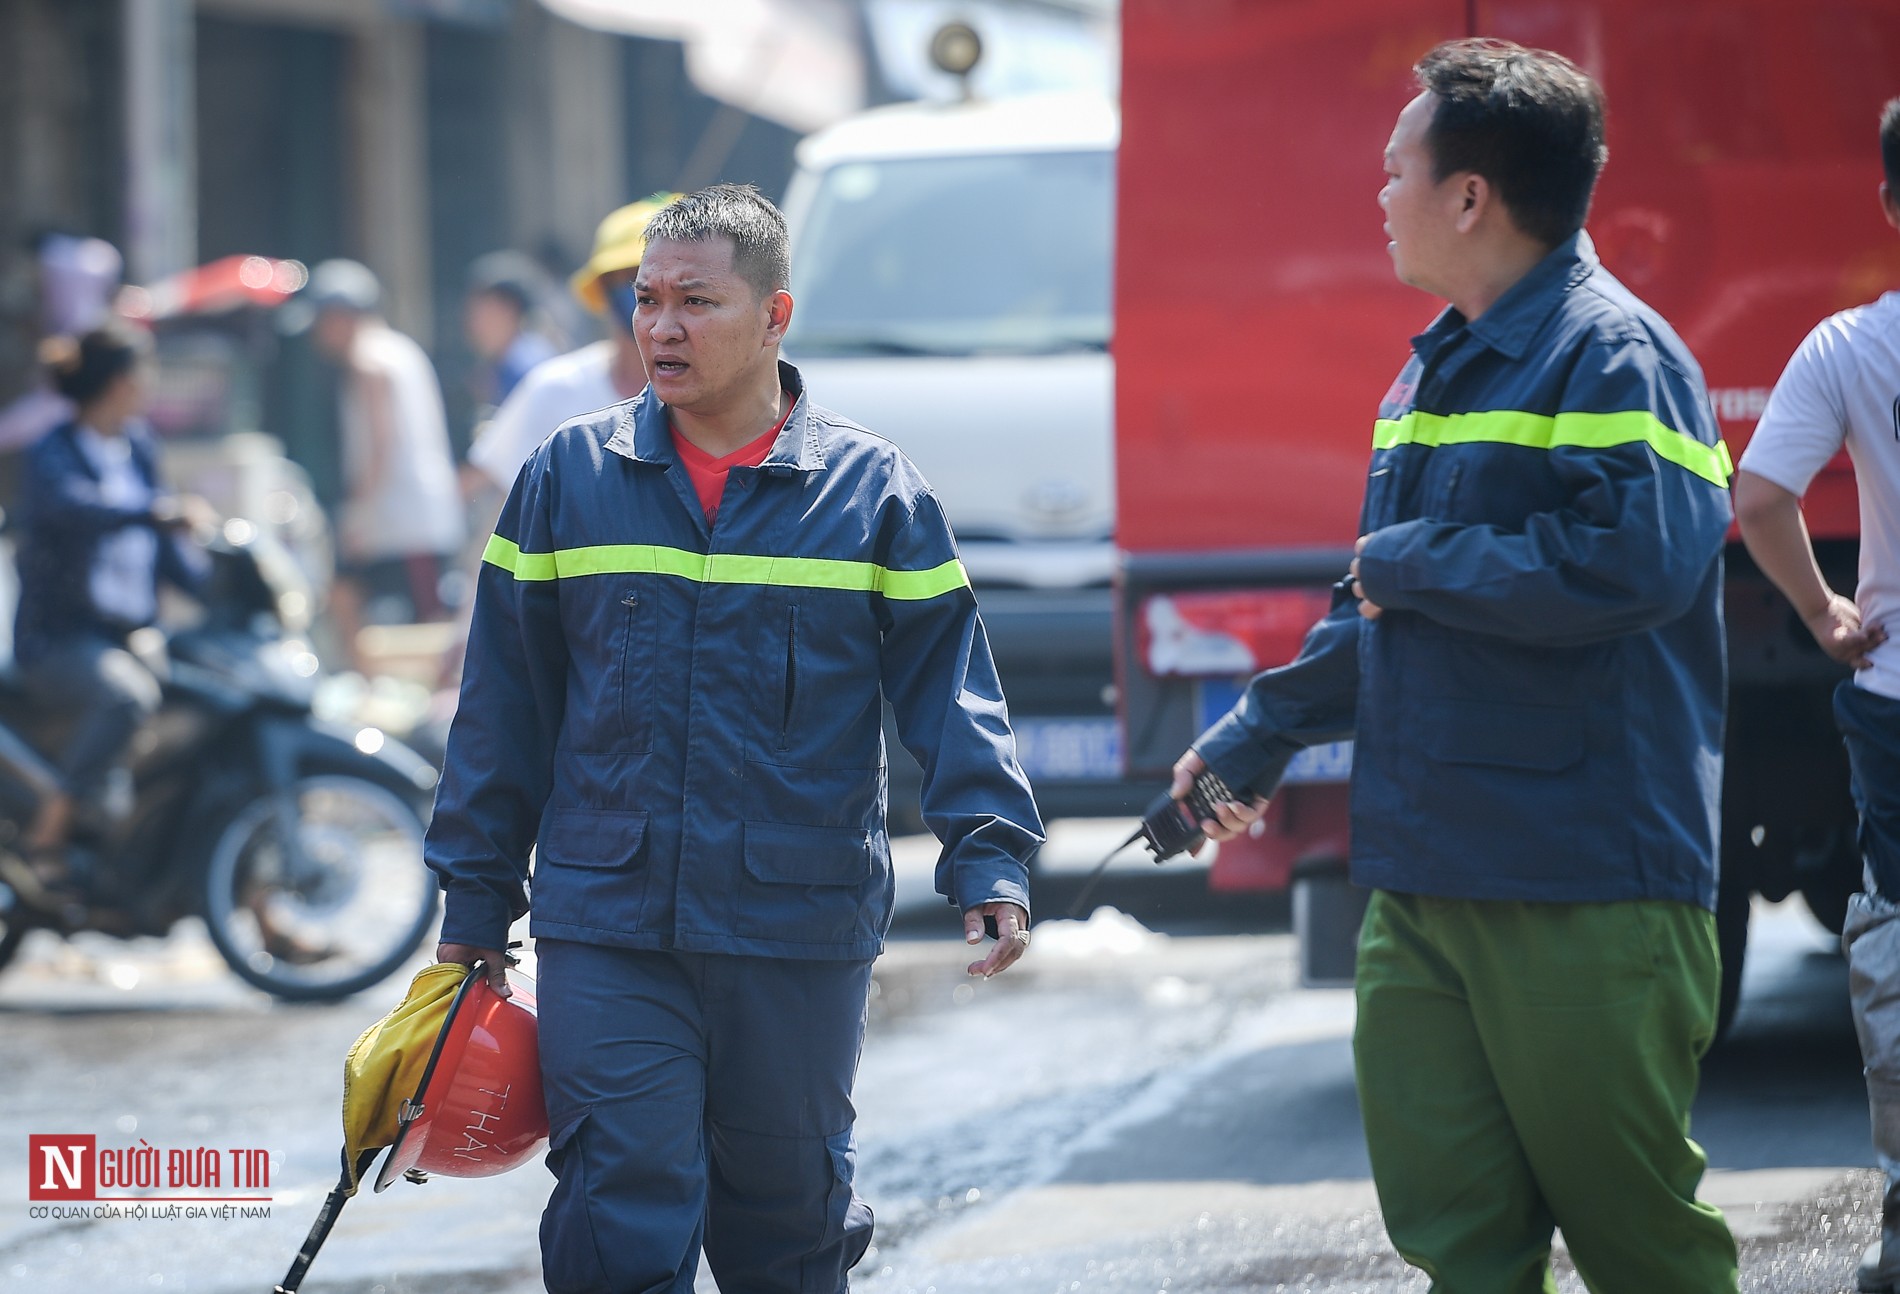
326, 1219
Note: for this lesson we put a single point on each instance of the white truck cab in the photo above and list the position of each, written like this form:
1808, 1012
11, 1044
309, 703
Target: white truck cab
951, 270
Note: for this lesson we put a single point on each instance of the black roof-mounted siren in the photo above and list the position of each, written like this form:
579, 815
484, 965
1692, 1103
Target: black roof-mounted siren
957, 49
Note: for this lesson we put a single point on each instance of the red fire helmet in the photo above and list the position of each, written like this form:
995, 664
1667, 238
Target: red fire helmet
478, 1110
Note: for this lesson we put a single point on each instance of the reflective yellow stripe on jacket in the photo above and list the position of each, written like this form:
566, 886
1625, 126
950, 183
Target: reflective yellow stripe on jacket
726, 568
1565, 431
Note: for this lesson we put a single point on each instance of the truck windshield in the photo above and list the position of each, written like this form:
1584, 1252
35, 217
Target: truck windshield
954, 255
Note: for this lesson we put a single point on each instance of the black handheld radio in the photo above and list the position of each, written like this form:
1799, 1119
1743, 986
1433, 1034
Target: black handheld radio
1168, 827
1171, 826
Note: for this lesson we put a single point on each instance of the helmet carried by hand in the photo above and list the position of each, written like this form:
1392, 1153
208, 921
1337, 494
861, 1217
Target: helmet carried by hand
478, 1110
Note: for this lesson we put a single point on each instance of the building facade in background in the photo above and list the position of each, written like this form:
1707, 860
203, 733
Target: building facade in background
413, 135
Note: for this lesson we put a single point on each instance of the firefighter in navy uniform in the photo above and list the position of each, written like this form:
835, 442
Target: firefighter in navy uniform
691, 607
1530, 656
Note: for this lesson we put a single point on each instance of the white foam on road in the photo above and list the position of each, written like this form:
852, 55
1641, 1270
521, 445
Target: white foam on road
1108, 932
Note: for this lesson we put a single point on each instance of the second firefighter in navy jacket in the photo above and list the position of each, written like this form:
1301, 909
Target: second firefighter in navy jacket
1529, 653
687, 719
1547, 502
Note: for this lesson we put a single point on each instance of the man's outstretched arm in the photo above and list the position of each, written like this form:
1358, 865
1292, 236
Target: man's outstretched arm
1311, 699
1777, 538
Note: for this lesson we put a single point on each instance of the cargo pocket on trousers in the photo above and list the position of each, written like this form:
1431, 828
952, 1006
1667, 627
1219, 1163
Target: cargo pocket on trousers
570, 1257
848, 1221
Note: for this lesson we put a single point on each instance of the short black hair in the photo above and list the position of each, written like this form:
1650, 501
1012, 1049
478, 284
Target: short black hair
761, 247
1890, 145
1529, 121
83, 368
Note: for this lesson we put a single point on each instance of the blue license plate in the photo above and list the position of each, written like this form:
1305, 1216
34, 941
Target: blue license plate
1069, 749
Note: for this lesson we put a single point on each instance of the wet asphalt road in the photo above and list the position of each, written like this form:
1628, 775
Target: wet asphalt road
1146, 1104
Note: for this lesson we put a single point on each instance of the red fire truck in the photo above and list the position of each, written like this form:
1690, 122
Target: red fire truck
1258, 320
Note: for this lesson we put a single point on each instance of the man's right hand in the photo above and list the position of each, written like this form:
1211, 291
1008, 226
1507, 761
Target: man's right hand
495, 960
1838, 628
1234, 817
186, 512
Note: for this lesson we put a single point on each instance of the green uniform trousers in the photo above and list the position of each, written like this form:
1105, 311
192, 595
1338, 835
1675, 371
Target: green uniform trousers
1524, 1066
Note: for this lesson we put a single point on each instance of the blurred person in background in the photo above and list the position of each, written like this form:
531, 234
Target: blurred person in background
99, 531
77, 280
583, 380
401, 515
593, 377
504, 324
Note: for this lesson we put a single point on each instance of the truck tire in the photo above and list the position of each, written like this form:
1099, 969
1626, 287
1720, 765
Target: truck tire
1328, 910
1827, 900
1828, 891
1731, 936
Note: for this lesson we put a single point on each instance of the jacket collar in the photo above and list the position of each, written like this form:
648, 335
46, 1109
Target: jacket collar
1514, 319
644, 436
67, 434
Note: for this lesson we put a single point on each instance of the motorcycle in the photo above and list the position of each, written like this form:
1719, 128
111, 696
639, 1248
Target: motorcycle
297, 843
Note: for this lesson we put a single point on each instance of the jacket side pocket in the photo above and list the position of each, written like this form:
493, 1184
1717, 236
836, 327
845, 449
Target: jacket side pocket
592, 838
806, 885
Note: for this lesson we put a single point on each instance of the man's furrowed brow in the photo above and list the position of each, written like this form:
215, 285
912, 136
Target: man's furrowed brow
644, 284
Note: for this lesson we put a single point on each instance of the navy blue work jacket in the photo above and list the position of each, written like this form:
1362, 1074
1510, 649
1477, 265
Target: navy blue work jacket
1539, 710
686, 720
62, 521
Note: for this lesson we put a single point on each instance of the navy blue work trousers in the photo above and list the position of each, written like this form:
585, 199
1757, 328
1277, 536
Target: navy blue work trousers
1871, 724
697, 1101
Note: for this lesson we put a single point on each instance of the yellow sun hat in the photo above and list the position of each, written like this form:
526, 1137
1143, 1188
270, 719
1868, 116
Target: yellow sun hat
619, 244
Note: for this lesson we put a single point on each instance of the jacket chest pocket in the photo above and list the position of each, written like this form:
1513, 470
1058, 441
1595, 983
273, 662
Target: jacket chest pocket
1397, 487
788, 692
814, 699
637, 665
1378, 505
1441, 499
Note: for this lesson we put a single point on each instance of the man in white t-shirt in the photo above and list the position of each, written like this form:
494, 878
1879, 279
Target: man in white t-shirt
583, 380
1842, 390
401, 515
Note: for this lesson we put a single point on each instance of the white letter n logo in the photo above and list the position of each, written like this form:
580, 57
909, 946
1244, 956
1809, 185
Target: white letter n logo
73, 1171
60, 1167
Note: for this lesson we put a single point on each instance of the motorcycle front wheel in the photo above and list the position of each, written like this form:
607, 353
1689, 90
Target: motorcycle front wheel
12, 934
341, 910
